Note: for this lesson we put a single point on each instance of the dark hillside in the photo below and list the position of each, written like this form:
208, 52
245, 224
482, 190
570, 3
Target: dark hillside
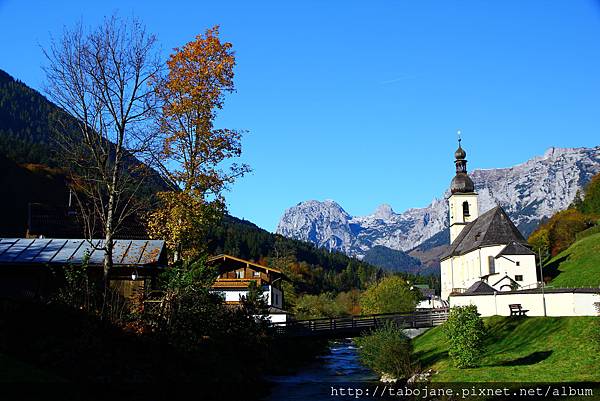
27, 134
22, 184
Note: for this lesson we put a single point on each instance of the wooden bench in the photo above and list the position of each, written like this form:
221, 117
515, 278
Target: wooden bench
517, 310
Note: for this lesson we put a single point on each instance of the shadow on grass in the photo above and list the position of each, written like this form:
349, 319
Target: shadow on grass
430, 358
530, 359
551, 269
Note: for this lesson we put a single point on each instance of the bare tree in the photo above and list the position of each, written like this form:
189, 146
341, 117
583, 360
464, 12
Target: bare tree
102, 77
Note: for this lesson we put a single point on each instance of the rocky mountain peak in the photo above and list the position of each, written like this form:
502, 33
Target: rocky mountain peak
528, 192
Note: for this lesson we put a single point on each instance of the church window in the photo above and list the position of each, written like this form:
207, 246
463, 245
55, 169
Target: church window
465, 208
518, 277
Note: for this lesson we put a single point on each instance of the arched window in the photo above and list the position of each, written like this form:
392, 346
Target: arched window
465, 208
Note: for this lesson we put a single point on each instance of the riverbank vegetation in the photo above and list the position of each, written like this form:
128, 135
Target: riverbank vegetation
388, 351
532, 349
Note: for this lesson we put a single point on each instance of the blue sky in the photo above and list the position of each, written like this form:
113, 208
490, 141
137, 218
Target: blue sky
359, 101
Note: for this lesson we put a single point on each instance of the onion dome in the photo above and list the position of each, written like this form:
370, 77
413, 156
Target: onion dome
461, 183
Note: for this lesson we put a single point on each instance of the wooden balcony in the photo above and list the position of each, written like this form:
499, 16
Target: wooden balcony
238, 282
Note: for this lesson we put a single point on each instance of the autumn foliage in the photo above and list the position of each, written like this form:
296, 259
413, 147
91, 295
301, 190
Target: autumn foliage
560, 232
192, 150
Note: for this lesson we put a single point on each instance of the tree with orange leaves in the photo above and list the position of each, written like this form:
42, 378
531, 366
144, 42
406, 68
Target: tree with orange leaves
192, 150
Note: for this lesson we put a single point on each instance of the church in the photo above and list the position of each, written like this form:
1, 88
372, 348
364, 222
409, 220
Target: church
487, 252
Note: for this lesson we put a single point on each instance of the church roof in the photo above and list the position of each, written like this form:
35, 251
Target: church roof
480, 287
515, 248
494, 227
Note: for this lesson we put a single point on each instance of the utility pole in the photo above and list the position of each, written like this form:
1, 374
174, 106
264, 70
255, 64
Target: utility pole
542, 278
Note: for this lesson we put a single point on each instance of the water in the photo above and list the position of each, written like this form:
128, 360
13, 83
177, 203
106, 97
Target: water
313, 382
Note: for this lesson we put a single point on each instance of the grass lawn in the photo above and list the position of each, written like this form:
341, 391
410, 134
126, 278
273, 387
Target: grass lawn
531, 349
12, 371
577, 266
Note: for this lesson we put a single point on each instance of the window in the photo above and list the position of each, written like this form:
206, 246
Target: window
255, 274
492, 265
239, 274
519, 277
518, 263
465, 208
276, 299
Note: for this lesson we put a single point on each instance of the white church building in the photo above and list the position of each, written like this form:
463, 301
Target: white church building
487, 250
488, 263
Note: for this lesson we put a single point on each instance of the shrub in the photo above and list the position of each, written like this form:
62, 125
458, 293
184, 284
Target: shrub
391, 294
465, 332
387, 350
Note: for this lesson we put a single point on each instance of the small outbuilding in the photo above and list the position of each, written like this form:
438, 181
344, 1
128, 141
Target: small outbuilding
31, 268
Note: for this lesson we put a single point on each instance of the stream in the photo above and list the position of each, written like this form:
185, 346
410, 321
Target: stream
313, 382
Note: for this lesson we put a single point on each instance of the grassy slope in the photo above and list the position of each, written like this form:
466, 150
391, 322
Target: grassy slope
577, 266
542, 349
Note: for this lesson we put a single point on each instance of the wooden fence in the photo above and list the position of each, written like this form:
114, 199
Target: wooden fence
354, 325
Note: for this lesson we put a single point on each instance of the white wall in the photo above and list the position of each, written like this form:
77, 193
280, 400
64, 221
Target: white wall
507, 266
455, 209
235, 295
464, 270
557, 304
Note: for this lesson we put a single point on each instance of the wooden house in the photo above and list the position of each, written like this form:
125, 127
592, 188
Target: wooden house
235, 276
29, 268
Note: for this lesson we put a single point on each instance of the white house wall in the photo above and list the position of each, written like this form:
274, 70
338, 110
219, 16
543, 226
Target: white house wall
464, 270
557, 304
236, 295
507, 266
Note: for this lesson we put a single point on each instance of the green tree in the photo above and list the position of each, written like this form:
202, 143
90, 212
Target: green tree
391, 294
465, 332
591, 201
387, 350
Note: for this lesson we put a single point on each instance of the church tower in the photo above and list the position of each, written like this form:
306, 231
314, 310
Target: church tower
462, 202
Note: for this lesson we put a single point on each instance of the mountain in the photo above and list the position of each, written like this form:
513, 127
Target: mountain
529, 192
392, 260
27, 135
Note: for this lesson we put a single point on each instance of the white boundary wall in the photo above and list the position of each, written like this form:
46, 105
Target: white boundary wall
557, 303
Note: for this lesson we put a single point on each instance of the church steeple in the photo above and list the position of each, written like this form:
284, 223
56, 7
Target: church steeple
463, 199
461, 182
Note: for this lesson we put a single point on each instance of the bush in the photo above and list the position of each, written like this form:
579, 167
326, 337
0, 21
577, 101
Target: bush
387, 350
390, 295
465, 332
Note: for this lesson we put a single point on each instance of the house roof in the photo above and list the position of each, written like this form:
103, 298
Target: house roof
224, 257
515, 248
44, 251
494, 227
480, 287
510, 280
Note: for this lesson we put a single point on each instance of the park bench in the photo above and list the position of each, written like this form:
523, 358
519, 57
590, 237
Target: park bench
517, 310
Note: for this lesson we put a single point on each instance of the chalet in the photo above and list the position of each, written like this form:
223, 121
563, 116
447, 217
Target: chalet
28, 266
235, 276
